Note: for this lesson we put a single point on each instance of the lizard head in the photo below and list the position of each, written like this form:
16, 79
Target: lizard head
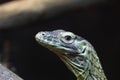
61, 41
70, 47
77, 53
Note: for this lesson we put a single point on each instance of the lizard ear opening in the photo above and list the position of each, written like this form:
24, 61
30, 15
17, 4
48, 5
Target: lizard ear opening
82, 46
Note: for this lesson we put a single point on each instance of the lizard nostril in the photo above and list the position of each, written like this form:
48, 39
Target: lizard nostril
42, 34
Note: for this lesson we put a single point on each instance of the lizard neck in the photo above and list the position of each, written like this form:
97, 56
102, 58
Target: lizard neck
74, 65
84, 68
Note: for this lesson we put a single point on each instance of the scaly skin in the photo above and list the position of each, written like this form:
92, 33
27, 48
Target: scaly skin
76, 52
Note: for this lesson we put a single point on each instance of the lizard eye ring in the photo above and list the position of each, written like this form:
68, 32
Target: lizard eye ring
67, 37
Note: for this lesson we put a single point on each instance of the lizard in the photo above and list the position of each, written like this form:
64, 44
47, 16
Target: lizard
76, 52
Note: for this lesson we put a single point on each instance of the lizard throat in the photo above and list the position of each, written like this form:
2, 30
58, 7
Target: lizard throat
74, 64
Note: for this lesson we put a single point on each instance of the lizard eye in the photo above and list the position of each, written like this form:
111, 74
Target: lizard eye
67, 37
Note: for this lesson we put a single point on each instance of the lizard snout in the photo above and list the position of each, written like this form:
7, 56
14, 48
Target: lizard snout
40, 35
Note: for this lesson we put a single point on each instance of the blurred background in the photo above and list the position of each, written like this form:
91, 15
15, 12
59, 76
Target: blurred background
96, 20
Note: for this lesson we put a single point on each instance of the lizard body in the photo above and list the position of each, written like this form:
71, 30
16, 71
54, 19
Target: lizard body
77, 53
